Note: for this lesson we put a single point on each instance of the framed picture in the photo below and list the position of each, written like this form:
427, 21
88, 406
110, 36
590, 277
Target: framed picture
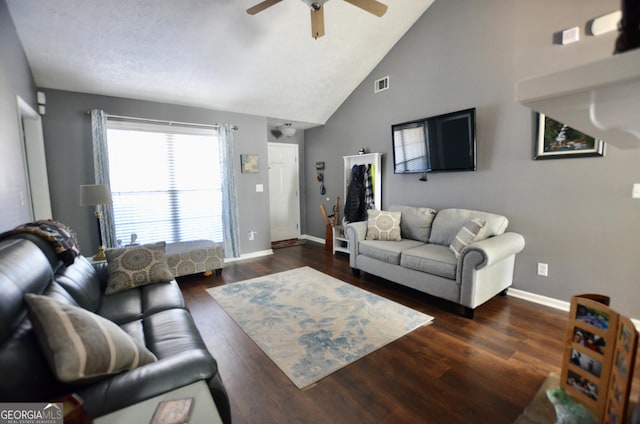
556, 140
249, 163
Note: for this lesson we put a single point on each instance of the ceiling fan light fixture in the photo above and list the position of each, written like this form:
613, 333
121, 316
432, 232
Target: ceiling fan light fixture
288, 130
315, 4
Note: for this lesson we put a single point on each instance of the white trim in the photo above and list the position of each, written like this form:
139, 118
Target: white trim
551, 302
30, 124
313, 238
250, 255
537, 298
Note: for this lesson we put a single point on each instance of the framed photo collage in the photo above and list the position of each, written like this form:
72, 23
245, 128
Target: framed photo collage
599, 357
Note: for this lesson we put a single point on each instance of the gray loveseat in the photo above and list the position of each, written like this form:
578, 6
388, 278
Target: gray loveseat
422, 258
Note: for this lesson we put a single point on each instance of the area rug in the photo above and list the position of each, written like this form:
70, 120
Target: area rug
540, 410
311, 324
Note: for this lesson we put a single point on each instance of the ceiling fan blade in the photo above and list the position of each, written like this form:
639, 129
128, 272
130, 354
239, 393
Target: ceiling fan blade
371, 6
317, 22
261, 6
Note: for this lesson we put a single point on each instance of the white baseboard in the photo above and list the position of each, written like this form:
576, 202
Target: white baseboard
312, 238
250, 255
551, 302
537, 298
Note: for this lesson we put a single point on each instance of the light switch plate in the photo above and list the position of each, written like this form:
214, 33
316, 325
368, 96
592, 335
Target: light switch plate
635, 193
259, 188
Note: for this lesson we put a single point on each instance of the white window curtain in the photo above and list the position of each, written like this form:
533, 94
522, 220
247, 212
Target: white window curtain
229, 194
101, 170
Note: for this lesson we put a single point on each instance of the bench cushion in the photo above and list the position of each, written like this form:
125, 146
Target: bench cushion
191, 257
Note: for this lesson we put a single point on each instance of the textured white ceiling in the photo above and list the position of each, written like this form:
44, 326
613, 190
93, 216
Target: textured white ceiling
210, 53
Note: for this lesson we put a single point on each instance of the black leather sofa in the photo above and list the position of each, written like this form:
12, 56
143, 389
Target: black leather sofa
154, 314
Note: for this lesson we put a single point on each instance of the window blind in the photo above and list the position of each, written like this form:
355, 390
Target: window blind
411, 152
165, 182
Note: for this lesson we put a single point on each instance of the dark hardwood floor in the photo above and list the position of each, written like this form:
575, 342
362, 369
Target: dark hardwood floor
453, 371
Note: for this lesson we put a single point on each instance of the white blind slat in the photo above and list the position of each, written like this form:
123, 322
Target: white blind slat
166, 186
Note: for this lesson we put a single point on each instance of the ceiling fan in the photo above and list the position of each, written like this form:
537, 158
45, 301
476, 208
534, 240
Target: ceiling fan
317, 13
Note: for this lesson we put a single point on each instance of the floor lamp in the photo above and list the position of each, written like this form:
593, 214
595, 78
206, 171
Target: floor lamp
95, 195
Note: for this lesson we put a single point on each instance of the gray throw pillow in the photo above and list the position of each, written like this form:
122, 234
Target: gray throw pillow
465, 236
383, 225
80, 345
135, 266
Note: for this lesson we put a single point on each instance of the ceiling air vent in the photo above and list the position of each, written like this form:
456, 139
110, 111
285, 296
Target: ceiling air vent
381, 84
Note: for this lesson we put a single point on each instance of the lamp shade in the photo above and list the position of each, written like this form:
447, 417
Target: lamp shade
94, 194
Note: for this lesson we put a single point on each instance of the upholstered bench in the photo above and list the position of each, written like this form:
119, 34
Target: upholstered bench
191, 257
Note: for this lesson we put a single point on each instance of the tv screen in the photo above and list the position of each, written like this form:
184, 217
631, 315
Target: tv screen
439, 143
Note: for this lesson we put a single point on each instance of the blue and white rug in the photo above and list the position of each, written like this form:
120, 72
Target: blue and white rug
311, 324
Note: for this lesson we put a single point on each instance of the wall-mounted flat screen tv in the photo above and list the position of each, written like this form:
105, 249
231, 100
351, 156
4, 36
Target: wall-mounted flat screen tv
439, 143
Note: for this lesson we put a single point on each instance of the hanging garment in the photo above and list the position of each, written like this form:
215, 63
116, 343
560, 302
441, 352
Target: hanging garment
354, 206
369, 201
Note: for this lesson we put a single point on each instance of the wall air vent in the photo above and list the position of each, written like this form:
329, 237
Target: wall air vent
381, 84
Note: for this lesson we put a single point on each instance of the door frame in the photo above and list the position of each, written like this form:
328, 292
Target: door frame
34, 155
297, 180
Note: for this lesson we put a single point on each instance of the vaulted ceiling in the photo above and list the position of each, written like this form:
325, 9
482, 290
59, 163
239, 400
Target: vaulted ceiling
210, 53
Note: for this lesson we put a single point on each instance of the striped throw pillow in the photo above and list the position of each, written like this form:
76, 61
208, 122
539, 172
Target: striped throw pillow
465, 236
81, 345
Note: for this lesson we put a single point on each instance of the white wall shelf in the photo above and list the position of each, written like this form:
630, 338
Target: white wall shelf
601, 98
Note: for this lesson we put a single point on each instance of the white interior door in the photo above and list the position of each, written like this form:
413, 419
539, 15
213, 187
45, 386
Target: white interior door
284, 198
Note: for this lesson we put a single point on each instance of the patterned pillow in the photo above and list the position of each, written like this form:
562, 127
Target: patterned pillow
466, 235
383, 225
135, 266
81, 345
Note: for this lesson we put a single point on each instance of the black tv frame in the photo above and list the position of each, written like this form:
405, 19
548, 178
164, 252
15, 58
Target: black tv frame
434, 124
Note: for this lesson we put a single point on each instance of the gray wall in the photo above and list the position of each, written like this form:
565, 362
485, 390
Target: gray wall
15, 80
577, 215
67, 134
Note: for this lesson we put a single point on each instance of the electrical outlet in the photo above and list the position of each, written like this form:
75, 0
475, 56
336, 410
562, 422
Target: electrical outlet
543, 269
252, 235
635, 192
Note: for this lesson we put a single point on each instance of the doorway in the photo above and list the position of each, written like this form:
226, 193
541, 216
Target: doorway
35, 161
284, 191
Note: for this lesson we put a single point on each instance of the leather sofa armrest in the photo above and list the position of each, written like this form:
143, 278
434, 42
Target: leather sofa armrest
489, 251
147, 381
355, 231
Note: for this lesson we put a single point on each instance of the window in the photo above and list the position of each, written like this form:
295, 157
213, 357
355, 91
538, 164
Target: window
165, 182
